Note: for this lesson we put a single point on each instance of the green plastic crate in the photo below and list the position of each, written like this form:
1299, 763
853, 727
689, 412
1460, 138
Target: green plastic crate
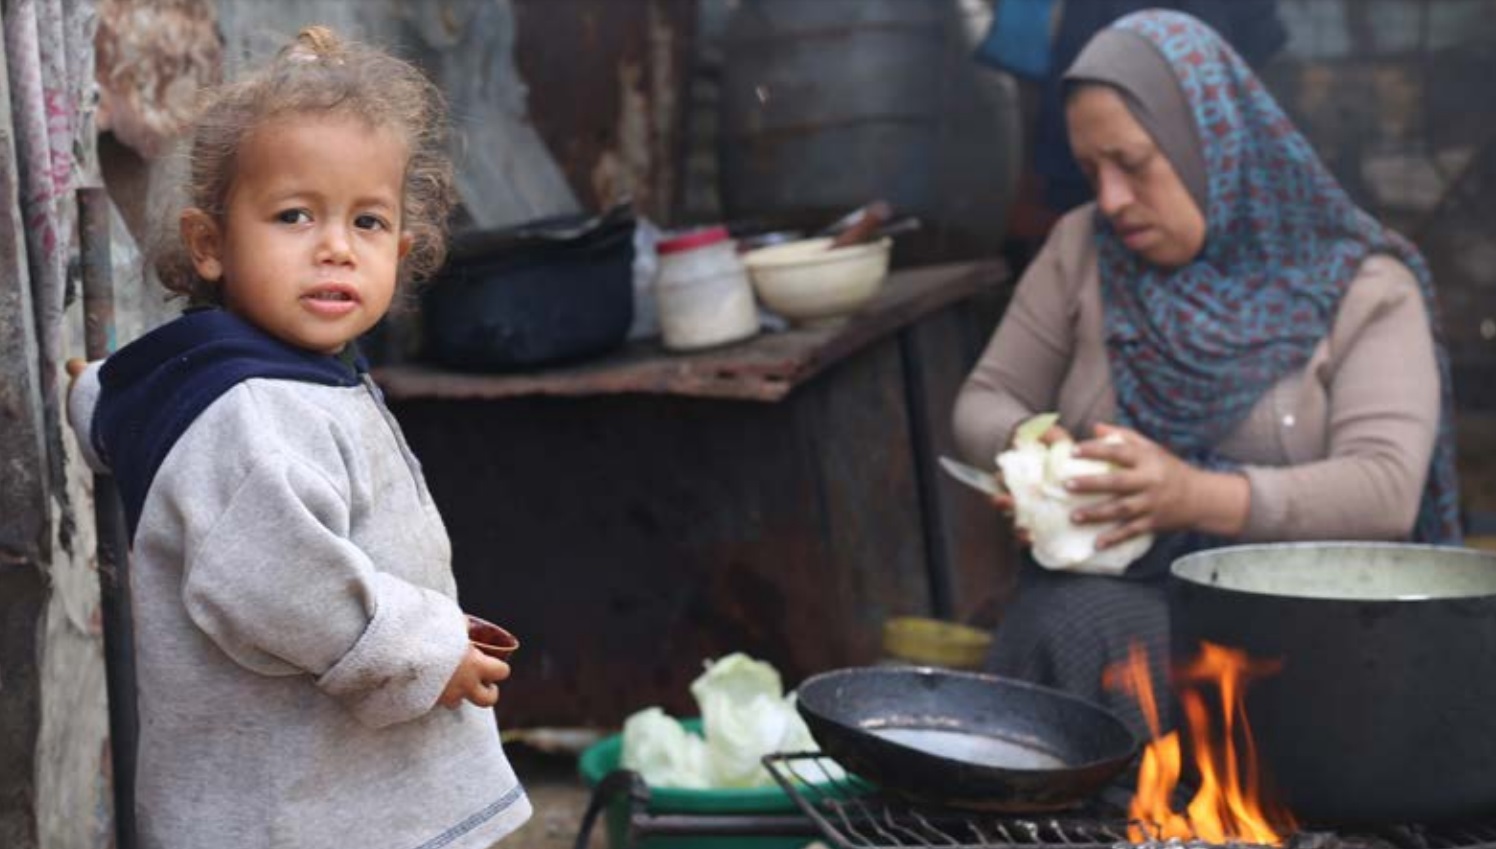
602, 757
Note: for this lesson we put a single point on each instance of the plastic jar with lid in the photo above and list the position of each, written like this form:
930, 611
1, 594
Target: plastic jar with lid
702, 291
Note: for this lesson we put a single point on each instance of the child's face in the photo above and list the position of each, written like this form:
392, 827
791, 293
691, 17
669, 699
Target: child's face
311, 242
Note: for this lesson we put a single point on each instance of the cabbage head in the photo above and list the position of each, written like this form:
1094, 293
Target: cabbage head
1035, 475
745, 715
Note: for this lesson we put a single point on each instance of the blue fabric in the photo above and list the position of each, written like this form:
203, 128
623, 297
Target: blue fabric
1191, 350
1018, 40
153, 389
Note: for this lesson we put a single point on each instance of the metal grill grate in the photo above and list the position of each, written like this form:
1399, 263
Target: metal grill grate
851, 814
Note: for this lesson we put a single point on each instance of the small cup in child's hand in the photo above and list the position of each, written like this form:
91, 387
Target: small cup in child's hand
491, 639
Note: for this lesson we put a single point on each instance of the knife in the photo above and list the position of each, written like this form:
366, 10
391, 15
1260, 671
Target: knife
972, 476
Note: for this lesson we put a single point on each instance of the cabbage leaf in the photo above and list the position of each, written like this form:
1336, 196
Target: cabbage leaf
1035, 474
745, 715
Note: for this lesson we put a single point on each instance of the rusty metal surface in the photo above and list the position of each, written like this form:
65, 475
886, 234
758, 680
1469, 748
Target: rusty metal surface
826, 105
608, 87
766, 368
23, 485
153, 55
23, 598
97, 264
973, 547
504, 173
624, 539
23, 532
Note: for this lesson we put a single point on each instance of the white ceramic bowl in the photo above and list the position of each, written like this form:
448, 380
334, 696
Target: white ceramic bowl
804, 282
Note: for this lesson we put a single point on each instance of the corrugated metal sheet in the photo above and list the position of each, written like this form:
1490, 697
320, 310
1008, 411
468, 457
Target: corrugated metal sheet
23, 502
54, 788
505, 173
610, 104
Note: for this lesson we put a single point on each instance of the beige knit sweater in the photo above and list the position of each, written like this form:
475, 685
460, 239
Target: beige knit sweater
1337, 451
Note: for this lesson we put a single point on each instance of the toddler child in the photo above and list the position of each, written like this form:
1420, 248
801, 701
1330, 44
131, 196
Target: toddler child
303, 669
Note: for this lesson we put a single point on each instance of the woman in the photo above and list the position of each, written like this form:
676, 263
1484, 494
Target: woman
1265, 350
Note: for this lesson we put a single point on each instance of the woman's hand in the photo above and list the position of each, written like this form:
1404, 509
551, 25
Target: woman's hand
475, 680
1004, 503
1155, 490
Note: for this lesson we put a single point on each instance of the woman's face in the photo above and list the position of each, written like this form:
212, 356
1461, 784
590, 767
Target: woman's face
1136, 186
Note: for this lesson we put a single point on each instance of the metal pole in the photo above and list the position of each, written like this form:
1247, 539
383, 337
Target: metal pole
113, 553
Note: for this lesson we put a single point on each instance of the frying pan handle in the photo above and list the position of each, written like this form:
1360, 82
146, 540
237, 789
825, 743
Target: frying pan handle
617, 783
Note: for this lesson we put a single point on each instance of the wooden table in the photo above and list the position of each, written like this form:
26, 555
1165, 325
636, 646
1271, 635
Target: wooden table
765, 368
633, 515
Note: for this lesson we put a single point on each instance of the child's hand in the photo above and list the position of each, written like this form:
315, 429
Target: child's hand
475, 680
74, 368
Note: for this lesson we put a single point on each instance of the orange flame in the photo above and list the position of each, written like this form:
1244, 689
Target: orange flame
1227, 805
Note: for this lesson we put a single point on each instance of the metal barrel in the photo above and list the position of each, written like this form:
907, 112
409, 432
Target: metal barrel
827, 105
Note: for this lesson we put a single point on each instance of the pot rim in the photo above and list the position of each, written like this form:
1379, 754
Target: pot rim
1184, 568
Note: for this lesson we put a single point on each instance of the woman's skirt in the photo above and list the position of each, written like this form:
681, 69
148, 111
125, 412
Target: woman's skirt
1063, 630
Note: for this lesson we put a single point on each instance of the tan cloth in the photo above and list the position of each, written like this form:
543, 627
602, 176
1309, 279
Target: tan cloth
1337, 451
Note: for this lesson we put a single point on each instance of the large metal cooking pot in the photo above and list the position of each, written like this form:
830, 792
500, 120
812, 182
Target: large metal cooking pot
1385, 708
965, 739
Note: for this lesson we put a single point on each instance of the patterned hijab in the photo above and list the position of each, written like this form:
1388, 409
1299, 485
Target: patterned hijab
1192, 349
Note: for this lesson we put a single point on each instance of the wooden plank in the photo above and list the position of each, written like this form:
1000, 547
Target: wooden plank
856, 427
972, 550
766, 368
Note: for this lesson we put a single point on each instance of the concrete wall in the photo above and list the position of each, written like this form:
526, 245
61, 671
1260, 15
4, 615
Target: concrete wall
1395, 95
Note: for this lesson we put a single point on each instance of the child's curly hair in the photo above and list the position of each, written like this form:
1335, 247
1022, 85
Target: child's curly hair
320, 73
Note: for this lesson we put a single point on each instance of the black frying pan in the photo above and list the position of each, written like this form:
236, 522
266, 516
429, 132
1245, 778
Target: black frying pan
965, 739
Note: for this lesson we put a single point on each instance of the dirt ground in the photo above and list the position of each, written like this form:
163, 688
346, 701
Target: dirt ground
559, 797
560, 800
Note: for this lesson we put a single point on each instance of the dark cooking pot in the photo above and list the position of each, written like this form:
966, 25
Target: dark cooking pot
965, 739
1385, 708
547, 291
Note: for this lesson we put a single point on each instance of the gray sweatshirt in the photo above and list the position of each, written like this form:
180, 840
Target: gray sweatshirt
296, 619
